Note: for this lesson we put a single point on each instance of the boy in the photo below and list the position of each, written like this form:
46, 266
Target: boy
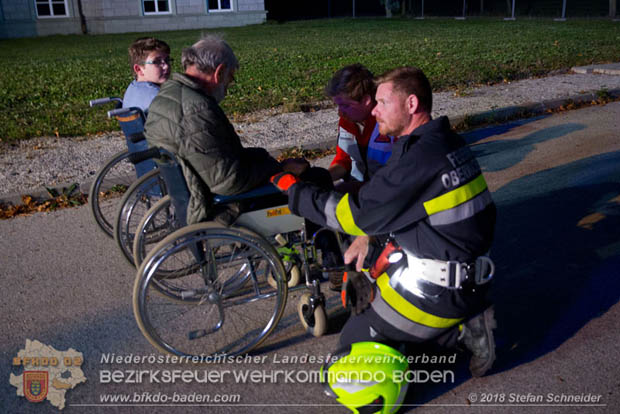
150, 62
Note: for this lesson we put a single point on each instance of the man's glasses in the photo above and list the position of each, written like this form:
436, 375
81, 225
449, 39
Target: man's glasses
158, 62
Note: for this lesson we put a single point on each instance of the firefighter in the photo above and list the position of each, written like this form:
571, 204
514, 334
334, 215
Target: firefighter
432, 202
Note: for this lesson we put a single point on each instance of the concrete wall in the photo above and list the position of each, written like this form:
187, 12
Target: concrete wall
18, 18
173, 22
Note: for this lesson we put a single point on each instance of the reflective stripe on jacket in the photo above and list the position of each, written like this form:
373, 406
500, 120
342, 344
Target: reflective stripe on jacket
361, 153
417, 317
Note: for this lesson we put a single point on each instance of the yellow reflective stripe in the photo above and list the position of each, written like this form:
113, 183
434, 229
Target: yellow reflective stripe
409, 311
345, 218
456, 196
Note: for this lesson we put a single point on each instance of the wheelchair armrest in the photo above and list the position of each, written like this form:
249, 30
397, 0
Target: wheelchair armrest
257, 192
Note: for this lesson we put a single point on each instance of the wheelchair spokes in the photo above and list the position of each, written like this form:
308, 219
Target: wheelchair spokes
228, 285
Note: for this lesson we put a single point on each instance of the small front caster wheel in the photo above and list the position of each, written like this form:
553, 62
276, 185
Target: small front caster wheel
314, 322
293, 276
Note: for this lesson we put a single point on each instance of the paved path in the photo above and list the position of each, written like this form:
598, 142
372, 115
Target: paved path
556, 181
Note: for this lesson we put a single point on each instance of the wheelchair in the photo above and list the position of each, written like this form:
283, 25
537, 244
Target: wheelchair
118, 172
143, 194
211, 289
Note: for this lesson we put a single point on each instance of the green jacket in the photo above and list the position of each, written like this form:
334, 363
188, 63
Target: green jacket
188, 122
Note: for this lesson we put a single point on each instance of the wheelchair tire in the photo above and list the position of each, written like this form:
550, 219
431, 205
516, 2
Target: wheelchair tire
156, 224
223, 304
314, 323
137, 200
105, 193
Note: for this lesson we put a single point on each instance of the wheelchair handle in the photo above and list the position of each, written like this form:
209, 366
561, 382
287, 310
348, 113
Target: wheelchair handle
102, 101
140, 156
118, 112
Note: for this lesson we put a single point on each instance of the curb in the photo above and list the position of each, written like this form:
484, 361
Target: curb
512, 113
609, 69
462, 123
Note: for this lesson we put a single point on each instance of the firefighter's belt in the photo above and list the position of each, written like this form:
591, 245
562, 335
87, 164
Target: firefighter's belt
451, 274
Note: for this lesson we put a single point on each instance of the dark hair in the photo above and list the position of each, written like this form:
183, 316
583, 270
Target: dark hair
142, 47
353, 81
410, 81
208, 53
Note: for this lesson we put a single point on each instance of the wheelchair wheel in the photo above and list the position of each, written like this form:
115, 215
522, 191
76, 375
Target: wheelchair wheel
136, 201
156, 224
221, 304
111, 181
314, 322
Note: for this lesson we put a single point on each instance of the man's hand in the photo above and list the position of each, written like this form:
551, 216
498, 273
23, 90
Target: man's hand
357, 291
295, 166
357, 251
283, 180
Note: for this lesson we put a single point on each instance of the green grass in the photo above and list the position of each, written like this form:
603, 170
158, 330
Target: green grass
47, 82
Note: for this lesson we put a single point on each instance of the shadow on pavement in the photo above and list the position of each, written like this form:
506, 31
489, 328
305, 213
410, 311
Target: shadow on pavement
503, 154
557, 255
476, 135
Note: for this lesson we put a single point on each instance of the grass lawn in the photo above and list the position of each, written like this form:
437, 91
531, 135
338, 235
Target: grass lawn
47, 82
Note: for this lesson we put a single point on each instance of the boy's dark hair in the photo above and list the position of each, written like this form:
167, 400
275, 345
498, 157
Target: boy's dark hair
353, 81
140, 49
410, 80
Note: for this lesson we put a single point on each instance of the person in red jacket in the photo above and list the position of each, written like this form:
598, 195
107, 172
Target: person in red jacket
361, 150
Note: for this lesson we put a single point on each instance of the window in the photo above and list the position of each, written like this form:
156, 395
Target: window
156, 6
220, 5
51, 8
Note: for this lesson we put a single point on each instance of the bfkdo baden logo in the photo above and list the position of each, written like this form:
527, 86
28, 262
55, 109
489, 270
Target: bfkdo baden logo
47, 373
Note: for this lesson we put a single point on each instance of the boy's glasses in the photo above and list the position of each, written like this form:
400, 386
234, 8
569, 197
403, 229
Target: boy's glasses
158, 62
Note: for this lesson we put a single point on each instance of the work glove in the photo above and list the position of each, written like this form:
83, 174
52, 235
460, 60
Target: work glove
390, 254
357, 291
284, 180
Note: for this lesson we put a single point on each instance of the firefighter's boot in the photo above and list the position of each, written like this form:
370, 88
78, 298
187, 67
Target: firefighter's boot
477, 336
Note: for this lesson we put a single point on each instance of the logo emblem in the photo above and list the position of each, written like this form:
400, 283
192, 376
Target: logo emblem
279, 211
36, 385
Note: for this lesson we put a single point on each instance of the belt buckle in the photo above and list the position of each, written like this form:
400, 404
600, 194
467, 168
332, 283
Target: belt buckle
455, 271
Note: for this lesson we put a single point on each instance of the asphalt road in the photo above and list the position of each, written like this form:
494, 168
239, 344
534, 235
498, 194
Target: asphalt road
556, 181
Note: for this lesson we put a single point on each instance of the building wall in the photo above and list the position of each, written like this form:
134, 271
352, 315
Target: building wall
18, 17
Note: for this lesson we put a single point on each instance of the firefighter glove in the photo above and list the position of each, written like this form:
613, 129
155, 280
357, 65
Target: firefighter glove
283, 180
357, 291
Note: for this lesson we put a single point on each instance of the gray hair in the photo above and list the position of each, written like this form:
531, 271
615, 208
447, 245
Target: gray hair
208, 53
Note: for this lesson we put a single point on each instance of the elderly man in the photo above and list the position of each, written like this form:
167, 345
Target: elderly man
186, 119
432, 201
